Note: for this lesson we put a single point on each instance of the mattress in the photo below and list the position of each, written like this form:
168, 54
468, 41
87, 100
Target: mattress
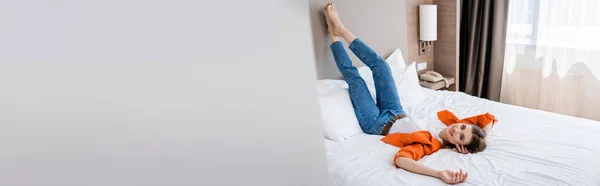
526, 147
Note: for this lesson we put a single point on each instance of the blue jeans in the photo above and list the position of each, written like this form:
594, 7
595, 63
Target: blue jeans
372, 116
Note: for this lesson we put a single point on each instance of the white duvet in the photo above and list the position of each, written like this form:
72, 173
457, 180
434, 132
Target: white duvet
527, 147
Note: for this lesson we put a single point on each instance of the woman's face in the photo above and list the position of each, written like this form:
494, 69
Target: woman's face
459, 133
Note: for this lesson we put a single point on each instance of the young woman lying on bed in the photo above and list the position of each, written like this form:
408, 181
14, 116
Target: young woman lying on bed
378, 117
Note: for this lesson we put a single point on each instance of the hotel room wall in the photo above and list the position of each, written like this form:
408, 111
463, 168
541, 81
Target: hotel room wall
381, 25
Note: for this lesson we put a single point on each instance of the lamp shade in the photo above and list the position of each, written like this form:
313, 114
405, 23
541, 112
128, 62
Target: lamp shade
427, 22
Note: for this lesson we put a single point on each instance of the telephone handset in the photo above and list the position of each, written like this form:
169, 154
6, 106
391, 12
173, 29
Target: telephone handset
432, 76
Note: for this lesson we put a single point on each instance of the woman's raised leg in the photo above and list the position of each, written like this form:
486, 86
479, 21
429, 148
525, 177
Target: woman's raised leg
365, 108
387, 94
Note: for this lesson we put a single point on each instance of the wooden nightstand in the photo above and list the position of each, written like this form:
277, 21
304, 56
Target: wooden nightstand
437, 85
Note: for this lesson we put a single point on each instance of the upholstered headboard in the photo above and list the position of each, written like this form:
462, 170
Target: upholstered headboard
381, 24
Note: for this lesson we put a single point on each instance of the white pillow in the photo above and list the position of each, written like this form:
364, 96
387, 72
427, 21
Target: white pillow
337, 113
395, 61
409, 89
325, 86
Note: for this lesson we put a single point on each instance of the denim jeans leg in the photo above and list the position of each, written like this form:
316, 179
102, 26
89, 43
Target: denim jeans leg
387, 94
365, 108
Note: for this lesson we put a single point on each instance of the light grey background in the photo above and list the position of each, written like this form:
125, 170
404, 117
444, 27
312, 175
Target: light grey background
158, 92
380, 24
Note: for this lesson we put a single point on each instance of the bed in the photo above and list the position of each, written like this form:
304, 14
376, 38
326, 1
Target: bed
526, 147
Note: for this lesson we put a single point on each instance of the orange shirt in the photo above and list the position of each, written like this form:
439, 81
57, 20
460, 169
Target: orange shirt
418, 144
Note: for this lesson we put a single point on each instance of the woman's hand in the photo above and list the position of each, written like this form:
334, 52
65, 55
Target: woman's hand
461, 149
451, 177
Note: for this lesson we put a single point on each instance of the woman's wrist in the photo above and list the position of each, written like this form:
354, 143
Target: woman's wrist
437, 174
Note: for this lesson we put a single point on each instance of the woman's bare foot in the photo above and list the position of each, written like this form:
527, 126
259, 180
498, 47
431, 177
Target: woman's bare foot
338, 26
334, 37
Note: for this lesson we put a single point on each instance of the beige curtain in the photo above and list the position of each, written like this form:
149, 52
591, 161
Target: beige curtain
552, 60
574, 94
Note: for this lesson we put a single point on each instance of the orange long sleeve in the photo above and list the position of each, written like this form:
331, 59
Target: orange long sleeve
481, 121
414, 145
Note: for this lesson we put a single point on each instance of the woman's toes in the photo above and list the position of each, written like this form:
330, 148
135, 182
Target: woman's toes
330, 24
336, 23
333, 8
333, 15
327, 6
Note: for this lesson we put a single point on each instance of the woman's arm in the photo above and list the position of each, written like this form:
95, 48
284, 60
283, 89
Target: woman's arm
488, 129
415, 167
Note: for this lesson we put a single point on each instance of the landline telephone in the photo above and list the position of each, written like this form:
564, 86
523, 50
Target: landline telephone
432, 76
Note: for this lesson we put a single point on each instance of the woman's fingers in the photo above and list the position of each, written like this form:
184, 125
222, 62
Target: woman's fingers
462, 149
459, 149
465, 178
453, 177
456, 177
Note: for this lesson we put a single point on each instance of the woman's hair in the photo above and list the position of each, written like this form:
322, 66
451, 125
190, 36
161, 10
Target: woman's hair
477, 143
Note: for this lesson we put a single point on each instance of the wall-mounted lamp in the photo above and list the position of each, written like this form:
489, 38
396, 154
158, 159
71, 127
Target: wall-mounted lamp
427, 27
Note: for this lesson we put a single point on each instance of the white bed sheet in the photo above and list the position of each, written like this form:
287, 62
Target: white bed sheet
527, 147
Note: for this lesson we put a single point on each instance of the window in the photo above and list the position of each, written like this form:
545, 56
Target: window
522, 22
555, 23
563, 32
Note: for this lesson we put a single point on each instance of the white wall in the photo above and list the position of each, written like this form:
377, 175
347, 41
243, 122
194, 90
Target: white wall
382, 25
149, 92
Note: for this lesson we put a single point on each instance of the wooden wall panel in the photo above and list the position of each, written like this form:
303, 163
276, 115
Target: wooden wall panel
447, 45
444, 57
412, 21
